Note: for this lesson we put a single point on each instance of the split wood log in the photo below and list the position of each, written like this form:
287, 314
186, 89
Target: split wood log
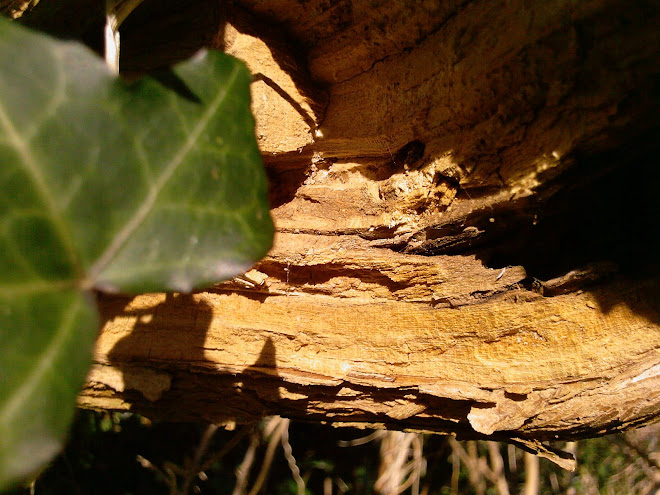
465, 196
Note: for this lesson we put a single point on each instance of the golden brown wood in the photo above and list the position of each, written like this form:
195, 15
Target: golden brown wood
466, 232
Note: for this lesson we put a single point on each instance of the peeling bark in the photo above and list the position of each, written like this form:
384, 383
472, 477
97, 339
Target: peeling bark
465, 195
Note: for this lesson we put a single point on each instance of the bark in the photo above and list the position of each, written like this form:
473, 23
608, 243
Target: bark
466, 210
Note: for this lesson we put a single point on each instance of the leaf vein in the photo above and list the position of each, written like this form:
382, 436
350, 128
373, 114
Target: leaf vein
32, 166
46, 360
147, 206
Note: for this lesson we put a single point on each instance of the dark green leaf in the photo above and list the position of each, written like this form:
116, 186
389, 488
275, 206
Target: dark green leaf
112, 186
45, 349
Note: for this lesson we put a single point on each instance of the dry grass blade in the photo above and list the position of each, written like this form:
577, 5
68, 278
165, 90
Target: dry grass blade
396, 473
195, 467
497, 468
288, 453
278, 425
228, 447
375, 435
243, 470
531, 474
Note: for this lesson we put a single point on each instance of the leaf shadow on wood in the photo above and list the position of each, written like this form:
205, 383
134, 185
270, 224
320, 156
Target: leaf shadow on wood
162, 359
171, 331
169, 339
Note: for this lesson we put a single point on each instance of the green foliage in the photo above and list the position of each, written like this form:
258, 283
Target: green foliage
108, 186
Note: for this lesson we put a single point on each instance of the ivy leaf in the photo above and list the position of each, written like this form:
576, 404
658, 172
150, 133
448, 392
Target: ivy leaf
104, 185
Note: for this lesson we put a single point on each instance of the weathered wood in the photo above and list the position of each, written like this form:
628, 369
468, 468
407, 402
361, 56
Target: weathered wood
518, 361
467, 225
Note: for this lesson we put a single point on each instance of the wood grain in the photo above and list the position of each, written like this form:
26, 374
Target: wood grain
467, 230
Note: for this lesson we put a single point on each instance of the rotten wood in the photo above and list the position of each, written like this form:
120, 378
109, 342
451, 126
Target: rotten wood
466, 206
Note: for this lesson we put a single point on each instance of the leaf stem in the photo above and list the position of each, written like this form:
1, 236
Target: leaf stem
116, 11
